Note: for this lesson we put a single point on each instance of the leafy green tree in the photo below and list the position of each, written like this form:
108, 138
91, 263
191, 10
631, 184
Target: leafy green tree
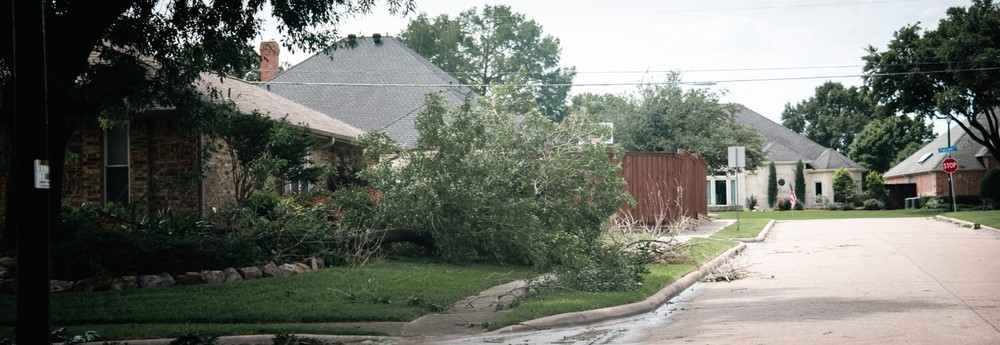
605, 106
844, 188
875, 186
665, 117
800, 182
487, 182
949, 71
832, 116
881, 141
772, 185
277, 152
484, 48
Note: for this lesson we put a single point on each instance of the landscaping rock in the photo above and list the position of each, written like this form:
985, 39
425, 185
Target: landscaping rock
250, 272
60, 286
231, 274
94, 284
189, 278
302, 267
4, 273
315, 263
126, 282
155, 281
212, 277
272, 270
288, 269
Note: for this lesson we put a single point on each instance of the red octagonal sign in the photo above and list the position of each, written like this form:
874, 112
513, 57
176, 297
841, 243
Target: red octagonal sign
949, 165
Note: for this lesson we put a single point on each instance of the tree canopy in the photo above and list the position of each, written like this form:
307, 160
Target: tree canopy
666, 117
887, 141
491, 46
832, 116
951, 71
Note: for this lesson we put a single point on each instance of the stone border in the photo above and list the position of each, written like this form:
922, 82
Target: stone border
964, 223
8, 277
760, 237
649, 304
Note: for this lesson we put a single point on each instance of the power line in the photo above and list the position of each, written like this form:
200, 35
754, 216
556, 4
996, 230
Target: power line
753, 8
692, 83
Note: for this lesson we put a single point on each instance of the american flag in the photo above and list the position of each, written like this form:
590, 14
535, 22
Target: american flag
791, 195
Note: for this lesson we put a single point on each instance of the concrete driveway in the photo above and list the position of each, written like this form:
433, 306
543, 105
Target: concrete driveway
855, 281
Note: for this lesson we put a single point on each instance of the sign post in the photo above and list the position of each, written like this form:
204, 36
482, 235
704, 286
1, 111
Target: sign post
737, 160
950, 166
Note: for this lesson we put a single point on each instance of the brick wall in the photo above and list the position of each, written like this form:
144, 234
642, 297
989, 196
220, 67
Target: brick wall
936, 183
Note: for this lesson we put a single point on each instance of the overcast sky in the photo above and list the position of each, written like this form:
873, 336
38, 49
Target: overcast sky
762, 54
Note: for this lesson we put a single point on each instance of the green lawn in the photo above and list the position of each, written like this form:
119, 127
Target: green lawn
396, 290
661, 275
988, 218
748, 228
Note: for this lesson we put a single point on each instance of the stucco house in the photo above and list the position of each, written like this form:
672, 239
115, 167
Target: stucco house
152, 160
785, 148
374, 83
923, 167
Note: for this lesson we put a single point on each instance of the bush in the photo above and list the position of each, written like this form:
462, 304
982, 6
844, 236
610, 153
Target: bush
874, 204
847, 207
784, 205
844, 187
989, 188
834, 206
751, 202
612, 269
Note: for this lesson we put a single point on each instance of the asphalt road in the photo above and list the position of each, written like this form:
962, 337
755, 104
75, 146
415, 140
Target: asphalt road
854, 281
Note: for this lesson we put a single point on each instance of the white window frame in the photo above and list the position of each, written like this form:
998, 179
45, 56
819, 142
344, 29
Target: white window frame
127, 165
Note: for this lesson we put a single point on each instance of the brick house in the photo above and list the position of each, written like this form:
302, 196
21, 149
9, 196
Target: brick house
923, 167
152, 161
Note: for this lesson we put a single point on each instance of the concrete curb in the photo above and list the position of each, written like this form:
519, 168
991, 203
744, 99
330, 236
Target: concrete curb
760, 237
625, 310
965, 223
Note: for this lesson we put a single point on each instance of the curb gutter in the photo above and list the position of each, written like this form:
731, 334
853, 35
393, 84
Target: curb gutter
964, 223
625, 310
760, 237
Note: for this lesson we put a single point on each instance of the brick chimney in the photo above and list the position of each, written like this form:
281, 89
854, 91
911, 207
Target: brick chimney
269, 59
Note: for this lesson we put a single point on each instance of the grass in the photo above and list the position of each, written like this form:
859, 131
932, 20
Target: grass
661, 275
395, 290
748, 228
825, 214
988, 218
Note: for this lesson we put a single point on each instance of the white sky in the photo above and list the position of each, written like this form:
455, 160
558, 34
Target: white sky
618, 41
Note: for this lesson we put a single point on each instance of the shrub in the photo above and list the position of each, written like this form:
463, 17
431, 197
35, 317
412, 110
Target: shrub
772, 185
875, 186
844, 187
798, 206
835, 206
847, 207
752, 202
784, 204
611, 269
874, 204
989, 188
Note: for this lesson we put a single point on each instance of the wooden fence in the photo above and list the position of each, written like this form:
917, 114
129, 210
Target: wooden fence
666, 186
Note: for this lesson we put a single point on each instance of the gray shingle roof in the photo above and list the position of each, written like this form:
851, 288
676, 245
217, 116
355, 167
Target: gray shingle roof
968, 149
784, 145
248, 98
374, 87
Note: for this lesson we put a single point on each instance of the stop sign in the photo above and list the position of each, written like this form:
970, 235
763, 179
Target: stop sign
949, 165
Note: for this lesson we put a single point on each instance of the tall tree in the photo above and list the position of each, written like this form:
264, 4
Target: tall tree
73, 61
800, 181
772, 185
883, 142
483, 48
950, 71
832, 116
665, 117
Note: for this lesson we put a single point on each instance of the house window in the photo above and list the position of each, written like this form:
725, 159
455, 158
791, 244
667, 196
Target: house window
819, 188
720, 192
116, 185
781, 182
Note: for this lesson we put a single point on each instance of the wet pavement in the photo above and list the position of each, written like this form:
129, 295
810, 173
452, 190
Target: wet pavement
853, 281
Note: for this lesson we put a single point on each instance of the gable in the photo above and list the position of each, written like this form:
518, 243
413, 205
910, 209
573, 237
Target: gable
928, 159
374, 87
784, 145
